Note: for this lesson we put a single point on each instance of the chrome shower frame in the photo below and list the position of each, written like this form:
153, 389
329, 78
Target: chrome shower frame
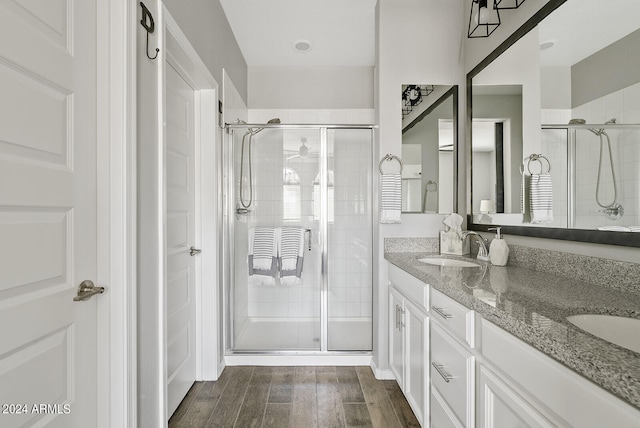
229, 218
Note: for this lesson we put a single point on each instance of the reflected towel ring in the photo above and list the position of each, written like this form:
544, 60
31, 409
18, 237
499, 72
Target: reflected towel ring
431, 186
535, 157
390, 157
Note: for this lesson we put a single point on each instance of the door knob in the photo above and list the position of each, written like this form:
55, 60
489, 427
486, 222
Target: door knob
86, 290
194, 251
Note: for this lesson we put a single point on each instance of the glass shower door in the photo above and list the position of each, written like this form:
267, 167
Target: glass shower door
278, 307
349, 239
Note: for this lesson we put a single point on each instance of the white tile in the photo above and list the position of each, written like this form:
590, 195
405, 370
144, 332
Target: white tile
613, 106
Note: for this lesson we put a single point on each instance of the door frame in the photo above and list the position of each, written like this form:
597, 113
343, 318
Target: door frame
207, 164
116, 365
150, 173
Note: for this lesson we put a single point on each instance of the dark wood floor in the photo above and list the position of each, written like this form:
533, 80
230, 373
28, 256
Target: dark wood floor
297, 397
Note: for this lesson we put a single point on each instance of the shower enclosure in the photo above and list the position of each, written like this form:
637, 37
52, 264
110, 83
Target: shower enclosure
316, 181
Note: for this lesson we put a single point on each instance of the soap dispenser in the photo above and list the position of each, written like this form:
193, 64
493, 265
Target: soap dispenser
498, 250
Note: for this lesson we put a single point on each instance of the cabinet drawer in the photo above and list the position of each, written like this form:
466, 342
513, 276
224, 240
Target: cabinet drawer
452, 374
457, 319
441, 416
410, 286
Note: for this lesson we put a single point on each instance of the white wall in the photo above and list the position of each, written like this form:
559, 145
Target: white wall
405, 55
206, 26
310, 87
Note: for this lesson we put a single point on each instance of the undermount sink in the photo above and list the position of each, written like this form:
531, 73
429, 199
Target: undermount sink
622, 331
441, 261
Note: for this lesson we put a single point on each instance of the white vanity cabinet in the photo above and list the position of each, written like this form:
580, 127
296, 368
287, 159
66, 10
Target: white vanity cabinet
524, 387
409, 338
452, 362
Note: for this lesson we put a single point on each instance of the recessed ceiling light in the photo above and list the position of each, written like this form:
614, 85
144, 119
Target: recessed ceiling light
302, 46
547, 44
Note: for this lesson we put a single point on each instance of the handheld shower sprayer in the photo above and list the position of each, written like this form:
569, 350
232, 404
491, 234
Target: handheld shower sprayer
245, 204
612, 210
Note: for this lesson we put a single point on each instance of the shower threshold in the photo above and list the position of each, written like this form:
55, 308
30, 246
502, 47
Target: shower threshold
276, 335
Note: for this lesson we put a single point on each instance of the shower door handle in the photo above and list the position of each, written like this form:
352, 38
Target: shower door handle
309, 232
193, 251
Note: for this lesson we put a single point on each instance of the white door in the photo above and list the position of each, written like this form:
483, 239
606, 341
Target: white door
180, 236
47, 212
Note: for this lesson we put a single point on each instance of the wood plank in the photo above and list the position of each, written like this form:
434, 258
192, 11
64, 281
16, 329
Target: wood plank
378, 403
206, 400
357, 415
349, 385
226, 411
330, 410
211, 391
255, 401
304, 409
282, 385
185, 404
277, 415
400, 405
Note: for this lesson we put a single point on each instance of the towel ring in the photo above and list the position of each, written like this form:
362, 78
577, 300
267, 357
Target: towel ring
536, 158
431, 186
390, 157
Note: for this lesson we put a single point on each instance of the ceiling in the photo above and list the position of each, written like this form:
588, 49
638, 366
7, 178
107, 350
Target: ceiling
340, 32
582, 27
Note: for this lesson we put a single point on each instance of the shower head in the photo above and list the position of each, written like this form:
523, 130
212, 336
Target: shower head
598, 132
254, 131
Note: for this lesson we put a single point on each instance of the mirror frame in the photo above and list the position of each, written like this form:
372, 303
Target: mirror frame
580, 235
453, 92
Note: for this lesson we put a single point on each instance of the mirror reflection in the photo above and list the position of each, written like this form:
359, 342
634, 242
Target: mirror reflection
429, 121
555, 134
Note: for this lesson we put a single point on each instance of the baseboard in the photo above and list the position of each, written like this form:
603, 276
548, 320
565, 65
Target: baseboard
297, 360
381, 374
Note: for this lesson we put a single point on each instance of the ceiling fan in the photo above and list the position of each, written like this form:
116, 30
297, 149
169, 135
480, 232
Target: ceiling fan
303, 152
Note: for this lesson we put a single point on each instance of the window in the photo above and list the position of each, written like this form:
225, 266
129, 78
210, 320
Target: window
291, 200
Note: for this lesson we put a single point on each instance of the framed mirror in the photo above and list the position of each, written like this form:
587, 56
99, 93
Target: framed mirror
429, 148
554, 117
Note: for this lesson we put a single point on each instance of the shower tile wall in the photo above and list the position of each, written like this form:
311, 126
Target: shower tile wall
623, 105
350, 232
312, 116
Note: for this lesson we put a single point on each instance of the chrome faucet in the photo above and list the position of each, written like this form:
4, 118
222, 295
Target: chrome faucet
483, 252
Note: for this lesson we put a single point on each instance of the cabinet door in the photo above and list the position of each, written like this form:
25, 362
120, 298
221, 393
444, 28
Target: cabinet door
417, 353
500, 406
440, 415
396, 333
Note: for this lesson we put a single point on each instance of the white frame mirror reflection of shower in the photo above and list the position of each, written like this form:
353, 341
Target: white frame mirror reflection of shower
318, 178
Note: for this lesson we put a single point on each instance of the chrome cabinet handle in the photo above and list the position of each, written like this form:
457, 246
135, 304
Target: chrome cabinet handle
86, 290
439, 368
441, 312
398, 317
193, 251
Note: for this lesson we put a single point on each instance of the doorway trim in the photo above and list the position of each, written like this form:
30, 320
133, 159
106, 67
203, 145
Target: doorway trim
116, 364
151, 274
207, 135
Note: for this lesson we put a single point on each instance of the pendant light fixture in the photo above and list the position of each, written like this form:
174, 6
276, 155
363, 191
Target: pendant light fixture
508, 4
483, 20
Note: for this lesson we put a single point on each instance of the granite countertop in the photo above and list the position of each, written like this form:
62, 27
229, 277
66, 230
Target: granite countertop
533, 306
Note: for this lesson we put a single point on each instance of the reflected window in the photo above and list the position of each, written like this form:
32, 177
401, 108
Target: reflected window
291, 201
316, 198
